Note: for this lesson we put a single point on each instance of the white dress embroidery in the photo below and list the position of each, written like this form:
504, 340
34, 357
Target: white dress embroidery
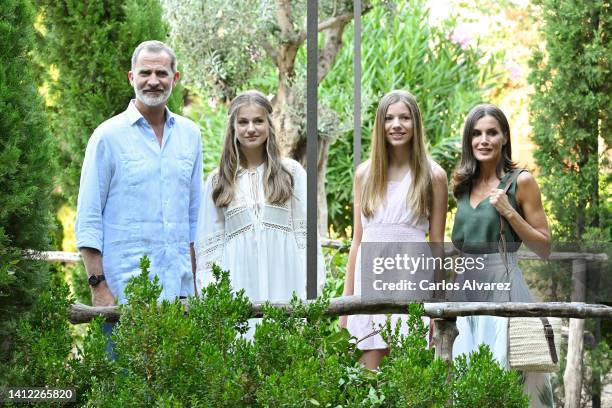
263, 245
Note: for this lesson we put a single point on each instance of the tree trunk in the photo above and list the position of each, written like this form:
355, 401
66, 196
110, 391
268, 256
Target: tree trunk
333, 45
287, 106
285, 100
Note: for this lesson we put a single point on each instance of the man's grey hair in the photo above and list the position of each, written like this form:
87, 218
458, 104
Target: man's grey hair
154, 46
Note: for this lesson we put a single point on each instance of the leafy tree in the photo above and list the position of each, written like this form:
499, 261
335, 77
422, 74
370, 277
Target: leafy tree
228, 46
572, 128
223, 61
223, 44
25, 169
86, 50
571, 114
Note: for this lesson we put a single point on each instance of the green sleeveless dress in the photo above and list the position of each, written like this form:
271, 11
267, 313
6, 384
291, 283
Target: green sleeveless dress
476, 230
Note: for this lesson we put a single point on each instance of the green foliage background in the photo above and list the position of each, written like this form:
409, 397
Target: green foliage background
219, 42
570, 114
85, 51
169, 357
402, 50
26, 167
572, 123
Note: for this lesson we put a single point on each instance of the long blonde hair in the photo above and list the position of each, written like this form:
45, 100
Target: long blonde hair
376, 178
277, 180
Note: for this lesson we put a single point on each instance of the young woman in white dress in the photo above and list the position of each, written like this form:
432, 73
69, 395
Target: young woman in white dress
400, 195
252, 220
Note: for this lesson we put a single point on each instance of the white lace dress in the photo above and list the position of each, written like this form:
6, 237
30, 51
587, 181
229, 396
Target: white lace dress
263, 245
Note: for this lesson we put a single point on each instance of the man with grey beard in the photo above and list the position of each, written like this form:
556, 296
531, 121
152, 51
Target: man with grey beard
140, 187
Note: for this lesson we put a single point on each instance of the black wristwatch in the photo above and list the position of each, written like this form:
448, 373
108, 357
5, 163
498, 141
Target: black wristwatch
94, 280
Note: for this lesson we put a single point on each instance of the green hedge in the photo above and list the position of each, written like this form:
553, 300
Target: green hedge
25, 169
85, 50
401, 49
166, 357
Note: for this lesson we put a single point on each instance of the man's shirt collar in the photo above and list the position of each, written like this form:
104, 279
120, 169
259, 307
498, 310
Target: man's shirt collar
134, 114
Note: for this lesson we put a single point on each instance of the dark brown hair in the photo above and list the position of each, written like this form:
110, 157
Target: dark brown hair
469, 168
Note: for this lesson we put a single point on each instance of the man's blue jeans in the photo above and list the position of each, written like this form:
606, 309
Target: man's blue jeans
107, 329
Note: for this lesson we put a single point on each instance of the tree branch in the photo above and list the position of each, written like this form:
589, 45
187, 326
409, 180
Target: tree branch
333, 28
285, 22
333, 45
334, 21
329, 23
337, 20
272, 53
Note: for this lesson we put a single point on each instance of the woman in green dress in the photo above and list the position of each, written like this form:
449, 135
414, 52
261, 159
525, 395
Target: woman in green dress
479, 185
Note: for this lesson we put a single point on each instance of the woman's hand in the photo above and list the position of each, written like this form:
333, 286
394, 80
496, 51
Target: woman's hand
532, 228
499, 200
342, 322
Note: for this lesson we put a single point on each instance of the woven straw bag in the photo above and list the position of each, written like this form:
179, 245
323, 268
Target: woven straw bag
528, 347
531, 340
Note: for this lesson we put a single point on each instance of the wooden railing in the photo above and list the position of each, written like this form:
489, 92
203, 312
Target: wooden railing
444, 323
444, 314
352, 305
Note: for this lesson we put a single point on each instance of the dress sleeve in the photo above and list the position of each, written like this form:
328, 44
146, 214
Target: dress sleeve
298, 204
210, 236
298, 210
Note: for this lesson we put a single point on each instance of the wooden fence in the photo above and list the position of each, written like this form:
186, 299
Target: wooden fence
444, 314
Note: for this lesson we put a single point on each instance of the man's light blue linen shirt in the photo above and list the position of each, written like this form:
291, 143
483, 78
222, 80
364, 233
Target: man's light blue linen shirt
136, 198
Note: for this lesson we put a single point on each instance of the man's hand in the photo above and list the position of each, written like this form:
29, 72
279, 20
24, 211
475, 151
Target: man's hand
101, 295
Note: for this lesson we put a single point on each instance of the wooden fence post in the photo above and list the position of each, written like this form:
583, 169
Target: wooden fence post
572, 378
445, 332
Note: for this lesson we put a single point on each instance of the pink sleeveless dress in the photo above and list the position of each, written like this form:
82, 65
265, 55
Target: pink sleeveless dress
392, 222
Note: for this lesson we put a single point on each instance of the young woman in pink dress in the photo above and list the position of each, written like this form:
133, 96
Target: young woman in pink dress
400, 195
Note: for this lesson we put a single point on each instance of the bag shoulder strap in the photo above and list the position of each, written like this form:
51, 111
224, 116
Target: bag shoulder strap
550, 339
510, 177
548, 330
